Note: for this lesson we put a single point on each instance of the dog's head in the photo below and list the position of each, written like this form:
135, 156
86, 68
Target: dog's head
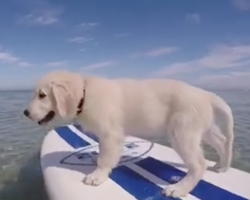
57, 94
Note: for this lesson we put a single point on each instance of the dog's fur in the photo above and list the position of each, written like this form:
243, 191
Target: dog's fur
114, 108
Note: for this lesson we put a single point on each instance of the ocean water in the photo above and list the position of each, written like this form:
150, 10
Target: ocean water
20, 141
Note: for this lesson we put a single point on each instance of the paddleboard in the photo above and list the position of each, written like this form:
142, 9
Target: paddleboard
145, 168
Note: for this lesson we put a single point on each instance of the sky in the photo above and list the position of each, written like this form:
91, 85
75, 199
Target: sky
205, 43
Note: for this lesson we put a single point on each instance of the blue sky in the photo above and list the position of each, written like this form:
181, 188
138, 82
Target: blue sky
206, 43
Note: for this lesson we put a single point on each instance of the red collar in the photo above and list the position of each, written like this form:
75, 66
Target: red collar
80, 105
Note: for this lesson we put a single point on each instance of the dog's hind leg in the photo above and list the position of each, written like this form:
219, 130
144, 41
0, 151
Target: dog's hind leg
223, 118
217, 140
186, 142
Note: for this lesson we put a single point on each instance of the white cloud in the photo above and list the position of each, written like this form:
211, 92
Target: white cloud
233, 80
24, 64
43, 18
8, 58
156, 52
220, 56
40, 12
193, 18
100, 65
88, 26
243, 5
56, 64
46, 20
80, 40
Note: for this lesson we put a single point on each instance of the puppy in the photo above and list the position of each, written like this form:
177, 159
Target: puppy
115, 108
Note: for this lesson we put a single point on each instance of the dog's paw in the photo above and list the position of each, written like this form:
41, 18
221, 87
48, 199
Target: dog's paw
219, 169
96, 177
175, 191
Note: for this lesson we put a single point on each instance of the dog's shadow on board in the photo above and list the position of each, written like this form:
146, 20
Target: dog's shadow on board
51, 160
28, 185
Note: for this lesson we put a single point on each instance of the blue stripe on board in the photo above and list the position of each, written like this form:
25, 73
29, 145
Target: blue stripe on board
138, 186
204, 190
71, 138
132, 182
91, 135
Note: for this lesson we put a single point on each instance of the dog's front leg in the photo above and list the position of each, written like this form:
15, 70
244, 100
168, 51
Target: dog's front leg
110, 149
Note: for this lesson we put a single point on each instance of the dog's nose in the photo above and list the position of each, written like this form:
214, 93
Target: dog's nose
26, 113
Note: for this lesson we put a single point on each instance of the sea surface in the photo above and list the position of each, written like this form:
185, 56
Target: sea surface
20, 141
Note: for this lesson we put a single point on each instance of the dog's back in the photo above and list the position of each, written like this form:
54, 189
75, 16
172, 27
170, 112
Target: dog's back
149, 104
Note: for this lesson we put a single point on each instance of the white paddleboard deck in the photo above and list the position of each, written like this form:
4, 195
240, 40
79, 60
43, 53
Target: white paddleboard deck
67, 155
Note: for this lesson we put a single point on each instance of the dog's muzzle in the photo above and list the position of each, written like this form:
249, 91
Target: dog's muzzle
47, 118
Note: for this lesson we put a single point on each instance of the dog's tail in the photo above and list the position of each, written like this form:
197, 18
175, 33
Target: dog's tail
223, 117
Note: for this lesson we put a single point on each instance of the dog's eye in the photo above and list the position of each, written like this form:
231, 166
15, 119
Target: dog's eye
41, 95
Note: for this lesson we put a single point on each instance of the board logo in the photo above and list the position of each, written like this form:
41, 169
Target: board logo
87, 156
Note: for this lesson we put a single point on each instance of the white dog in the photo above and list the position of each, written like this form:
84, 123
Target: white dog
113, 108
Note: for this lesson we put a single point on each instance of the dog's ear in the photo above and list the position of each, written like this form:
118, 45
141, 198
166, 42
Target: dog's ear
67, 92
61, 95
